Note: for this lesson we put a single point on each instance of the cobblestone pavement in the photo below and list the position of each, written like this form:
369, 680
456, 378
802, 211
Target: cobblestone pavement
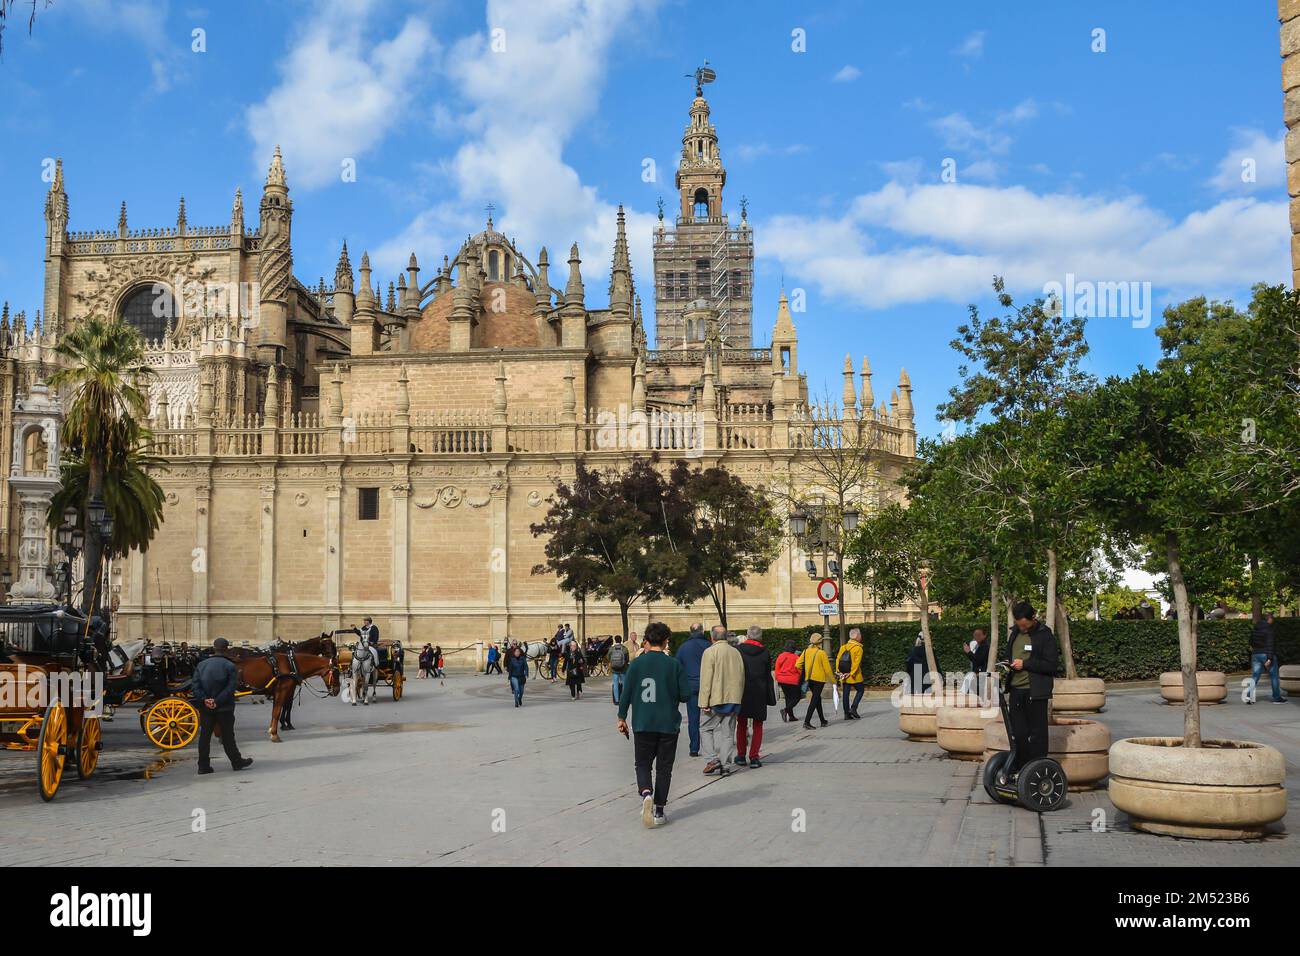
453, 774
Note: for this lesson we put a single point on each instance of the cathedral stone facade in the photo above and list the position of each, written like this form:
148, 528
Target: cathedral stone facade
364, 448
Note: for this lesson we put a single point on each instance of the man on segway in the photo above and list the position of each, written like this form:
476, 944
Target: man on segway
1033, 654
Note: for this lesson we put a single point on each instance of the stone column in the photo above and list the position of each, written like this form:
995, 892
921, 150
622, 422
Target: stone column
499, 558
399, 623
1288, 12
266, 566
201, 556
333, 558
31, 585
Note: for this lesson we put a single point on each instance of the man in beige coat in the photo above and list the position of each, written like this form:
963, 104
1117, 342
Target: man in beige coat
722, 685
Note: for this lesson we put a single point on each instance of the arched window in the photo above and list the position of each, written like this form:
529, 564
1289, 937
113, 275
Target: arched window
494, 266
701, 203
148, 309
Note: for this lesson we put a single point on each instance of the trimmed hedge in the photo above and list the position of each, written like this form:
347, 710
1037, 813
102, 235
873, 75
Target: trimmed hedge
1111, 650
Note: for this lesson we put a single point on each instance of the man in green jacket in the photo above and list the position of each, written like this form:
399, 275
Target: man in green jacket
655, 687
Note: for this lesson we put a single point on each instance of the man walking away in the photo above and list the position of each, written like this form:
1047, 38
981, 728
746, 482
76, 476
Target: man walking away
655, 689
618, 664
1033, 654
213, 687
690, 654
848, 667
722, 686
1263, 656
758, 696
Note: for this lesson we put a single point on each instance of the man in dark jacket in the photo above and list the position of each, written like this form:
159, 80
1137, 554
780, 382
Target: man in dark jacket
759, 694
690, 654
978, 657
213, 690
1033, 654
1263, 656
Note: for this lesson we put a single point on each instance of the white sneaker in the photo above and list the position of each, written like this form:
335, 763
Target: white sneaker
660, 818
648, 810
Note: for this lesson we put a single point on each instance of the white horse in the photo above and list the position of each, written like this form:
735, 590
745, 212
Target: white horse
364, 673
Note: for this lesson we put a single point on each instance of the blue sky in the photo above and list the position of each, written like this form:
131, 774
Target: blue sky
1122, 165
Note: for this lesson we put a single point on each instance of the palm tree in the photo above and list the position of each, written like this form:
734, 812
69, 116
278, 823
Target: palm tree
104, 402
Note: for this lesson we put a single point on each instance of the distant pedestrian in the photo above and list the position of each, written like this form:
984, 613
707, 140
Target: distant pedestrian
212, 688
619, 661
848, 669
575, 668
690, 654
722, 687
517, 669
493, 660
787, 678
816, 670
655, 689
553, 652
759, 694
917, 666
425, 662
438, 663
977, 652
1263, 657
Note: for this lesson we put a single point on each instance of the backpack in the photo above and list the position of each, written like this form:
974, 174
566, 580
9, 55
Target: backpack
618, 658
845, 664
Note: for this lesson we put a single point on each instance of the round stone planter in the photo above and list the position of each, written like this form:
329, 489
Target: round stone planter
1082, 695
1211, 686
1224, 790
1080, 746
960, 730
918, 713
1290, 677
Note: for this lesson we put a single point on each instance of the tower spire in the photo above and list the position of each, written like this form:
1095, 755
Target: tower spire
620, 277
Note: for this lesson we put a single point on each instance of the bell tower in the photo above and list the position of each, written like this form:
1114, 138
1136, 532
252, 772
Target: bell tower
702, 263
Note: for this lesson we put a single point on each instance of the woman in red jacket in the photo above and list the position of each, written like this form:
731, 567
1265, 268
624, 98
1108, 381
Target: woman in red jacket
787, 675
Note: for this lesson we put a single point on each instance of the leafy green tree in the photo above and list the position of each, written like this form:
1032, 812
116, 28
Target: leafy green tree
102, 382
891, 550
613, 535
732, 531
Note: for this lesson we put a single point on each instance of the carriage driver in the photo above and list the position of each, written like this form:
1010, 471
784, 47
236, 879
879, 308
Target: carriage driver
368, 632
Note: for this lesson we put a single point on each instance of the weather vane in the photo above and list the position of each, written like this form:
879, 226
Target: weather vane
703, 74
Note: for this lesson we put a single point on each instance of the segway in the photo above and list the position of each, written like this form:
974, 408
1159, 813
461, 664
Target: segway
1039, 785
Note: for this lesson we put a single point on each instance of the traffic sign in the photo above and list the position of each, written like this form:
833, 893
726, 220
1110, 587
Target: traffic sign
828, 610
827, 591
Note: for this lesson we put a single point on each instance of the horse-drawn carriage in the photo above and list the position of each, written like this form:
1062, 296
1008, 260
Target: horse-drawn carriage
368, 664
595, 657
157, 677
49, 679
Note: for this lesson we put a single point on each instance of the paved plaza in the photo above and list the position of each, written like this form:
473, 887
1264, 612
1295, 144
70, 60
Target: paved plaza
453, 774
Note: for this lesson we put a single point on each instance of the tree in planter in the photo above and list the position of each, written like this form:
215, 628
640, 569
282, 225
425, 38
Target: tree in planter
614, 535
732, 531
1026, 364
103, 386
1176, 458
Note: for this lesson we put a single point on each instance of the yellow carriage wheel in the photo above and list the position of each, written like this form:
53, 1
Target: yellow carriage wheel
51, 750
398, 680
88, 747
171, 723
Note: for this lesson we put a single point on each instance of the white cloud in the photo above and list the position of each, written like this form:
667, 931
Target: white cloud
847, 74
905, 244
340, 92
1255, 151
973, 46
144, 21
519, 106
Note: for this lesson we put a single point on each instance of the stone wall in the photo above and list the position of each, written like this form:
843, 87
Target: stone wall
1288, 12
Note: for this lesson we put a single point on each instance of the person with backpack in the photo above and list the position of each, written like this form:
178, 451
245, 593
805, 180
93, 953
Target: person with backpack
816, 670
493, 660
787, 678
655, 689
619, 659
848, 668
758, 696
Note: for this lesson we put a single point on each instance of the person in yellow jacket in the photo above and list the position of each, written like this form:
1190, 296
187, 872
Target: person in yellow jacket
851, 679
816, 669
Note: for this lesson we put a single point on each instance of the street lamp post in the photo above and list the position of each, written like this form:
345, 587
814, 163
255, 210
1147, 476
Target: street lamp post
811, 525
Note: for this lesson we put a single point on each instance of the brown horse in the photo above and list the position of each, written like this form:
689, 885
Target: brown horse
255, 672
